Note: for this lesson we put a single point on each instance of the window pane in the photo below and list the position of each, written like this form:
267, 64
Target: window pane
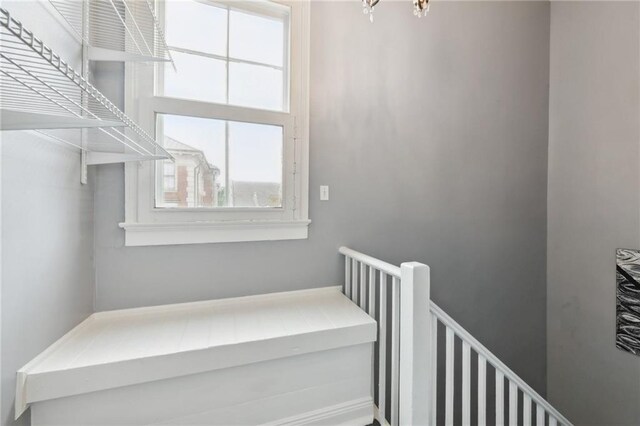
255, 86
196, 26
198, 177
245, 29
169, 183
255, 165
169, 168
198, 146
199, 78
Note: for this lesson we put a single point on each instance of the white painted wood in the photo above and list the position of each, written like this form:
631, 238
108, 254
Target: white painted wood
347, 277
371, 310
415, 345
372, 292
449, 385
376, 415
395, 350
526, 410
315, 388
154, 234
385, 267
552, 421
434, 369
513, 404
127, 347
363, 287
499, 398
354, 280
466, 384
357, 412
382, 345
482, 390
540, 415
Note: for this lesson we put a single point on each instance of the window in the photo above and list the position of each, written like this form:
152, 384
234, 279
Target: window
169, 175
233, 113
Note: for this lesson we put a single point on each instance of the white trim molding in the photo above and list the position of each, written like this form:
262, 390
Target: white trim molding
155, 234
357, 412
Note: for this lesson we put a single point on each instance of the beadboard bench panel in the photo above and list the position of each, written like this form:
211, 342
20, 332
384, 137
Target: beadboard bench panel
327, 387
133, 346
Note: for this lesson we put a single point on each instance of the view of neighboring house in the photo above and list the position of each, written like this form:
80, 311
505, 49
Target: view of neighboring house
190, 181
256, 194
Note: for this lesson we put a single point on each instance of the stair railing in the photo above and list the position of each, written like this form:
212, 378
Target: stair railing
406, 357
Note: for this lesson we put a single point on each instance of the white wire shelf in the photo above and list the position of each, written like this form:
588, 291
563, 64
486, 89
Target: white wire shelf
41, 92
116, 30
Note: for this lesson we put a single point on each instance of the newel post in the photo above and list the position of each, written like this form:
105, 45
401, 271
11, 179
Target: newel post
415, 345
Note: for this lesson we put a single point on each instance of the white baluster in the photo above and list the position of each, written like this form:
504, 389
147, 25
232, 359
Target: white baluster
526, 410
482, 390
363, 286
552, 421
372, 291
382, 348
347, 276
371, 309
395, 348
354, 281
434, 369
513, 404
448, 411
466, 384
539, 415
499, 398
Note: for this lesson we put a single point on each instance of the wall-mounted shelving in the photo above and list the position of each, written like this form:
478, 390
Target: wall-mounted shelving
41, 92
116, 30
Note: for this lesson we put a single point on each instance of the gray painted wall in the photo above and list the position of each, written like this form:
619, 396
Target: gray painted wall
432, 134
594, 195
47, 233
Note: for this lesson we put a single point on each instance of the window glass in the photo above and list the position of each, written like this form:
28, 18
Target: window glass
255, 86
198, 77
220, 163
255, 165
196, 26
256, 38
227, 55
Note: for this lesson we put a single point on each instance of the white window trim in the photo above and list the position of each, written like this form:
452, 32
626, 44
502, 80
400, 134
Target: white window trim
147, 225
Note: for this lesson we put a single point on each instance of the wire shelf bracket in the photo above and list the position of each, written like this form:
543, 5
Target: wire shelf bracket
116, 30
41, 92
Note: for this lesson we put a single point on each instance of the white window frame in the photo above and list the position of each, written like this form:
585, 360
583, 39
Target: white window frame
147, 225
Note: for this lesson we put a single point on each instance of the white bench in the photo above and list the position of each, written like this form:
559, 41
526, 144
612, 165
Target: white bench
301, 357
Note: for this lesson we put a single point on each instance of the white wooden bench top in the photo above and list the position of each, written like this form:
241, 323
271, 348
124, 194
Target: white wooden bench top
125, 347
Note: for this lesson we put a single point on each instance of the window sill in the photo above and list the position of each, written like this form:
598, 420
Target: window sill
157, 234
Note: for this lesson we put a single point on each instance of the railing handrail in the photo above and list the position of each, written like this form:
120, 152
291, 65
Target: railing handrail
495, 361
385, 267
463, 334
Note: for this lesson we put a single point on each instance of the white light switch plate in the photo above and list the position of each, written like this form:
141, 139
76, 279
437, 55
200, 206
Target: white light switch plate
324, 193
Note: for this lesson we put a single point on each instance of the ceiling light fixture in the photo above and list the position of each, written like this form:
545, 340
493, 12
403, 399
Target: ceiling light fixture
420, 7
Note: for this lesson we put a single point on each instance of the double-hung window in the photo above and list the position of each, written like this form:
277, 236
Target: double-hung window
233, 113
